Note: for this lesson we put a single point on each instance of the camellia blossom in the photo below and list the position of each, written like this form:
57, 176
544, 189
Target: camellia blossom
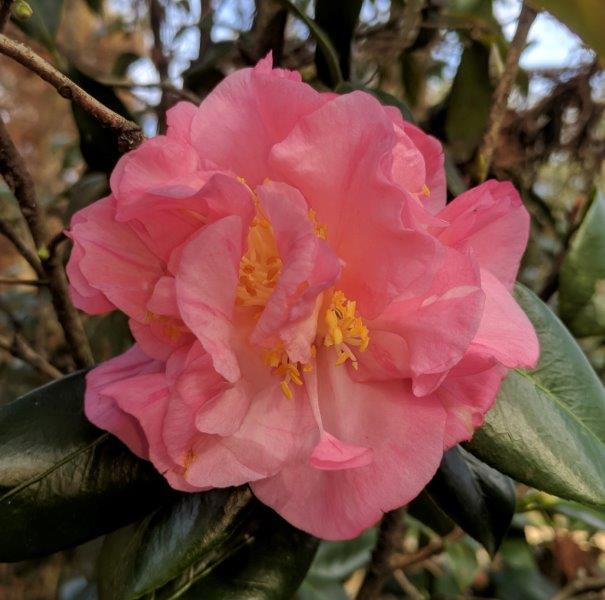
310, 317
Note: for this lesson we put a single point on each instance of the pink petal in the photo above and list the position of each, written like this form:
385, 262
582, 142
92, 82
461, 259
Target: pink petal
111, 259
309, 267
505, 332
340, 158
333, 454
405, 435
467, 394
178, 119
492, 220
101, 407
206, 284
246, 114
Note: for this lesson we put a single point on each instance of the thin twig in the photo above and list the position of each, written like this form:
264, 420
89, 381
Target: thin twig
129, 133
407, 586
502, 92
403, 561
19, 180
162, 85
389, 538
24, 248
15, 281
19, 347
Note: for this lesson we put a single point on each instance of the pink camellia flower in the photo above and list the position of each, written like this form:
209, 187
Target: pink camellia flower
310, 317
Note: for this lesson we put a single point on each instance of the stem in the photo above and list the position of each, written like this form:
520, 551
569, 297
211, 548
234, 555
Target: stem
502, 92
24, 248
389, 538
19, 180
129, 133
403, 561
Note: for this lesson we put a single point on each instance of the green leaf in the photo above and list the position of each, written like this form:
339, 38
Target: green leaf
44, 22
98, 144
478, 498
191, 530
323, 41
582, 277
547, 428
63, 481
584, 17
338, 19
268, 561
469, 102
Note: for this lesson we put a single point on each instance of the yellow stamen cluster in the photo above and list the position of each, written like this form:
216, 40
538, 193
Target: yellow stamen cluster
261, 266
345, 329
290, 372
426, 191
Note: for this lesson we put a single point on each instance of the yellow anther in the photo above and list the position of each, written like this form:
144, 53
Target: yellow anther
277, 359
345, 329
426, 190
261, 266
320, 229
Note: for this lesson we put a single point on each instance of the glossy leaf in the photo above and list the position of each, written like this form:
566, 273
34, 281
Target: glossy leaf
190, 530
469, 102
267, 560
584, 17
338, 18
63, 481
478, 498
582, 278
547, 428
44, 22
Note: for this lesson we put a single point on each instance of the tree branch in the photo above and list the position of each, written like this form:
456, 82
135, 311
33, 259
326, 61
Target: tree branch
23, 247
502, 92
19, 180
389, 538
403, 561
129, 133
19, 347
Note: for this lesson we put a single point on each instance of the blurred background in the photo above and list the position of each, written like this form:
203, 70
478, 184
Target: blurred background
439, 60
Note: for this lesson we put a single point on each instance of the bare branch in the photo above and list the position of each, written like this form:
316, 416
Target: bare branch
24, 248
19, 180
403, 561
19, 347
389, 538
131, 86
502, 92
129, 133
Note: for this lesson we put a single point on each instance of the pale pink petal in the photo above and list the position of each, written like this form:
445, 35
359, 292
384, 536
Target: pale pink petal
246, 114
505, 332
102, 409
492, 220
467, 394
406, 437
332, 454
340, 157
206, 285
111, 259
178, 119
309, 267
439, 326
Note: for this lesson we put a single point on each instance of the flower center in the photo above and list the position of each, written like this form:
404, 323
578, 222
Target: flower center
345, 329
290, 372
261, 266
